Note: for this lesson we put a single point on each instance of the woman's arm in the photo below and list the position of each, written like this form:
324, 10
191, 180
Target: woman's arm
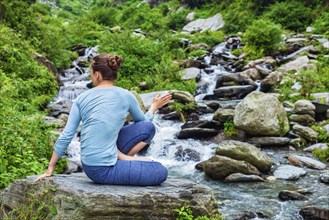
64, 140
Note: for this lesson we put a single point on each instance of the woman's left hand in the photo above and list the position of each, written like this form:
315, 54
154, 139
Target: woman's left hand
159, 101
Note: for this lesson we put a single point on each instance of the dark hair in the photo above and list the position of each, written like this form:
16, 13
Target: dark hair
107, 65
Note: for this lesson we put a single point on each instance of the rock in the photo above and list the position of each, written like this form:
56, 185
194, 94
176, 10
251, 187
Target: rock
306, 161
190, 16
171, 116
200, 46
303, 119
324, 177
320, 110
263, 70
53, 122
115, 29
230, 91
269, 141
239, 177
182, 96
200, 25
186, 154
76, 197
148, 97
140, 100
326, 45
190, 73
303, 107
253, 73
246, 152
326, 127
288, 172
310, 29
285, 195
272, 79
202, 124
296, 64
223, 115
219, 167
305, 132
294, 40
321, 146
197, 133
261, 114
314, 213
271, 178
47, 63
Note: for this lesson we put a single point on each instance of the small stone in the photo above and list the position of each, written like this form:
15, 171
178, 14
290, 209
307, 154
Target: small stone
285, 195
324, 177
306, 161
321, 146
288, 172
271, 178
292, 148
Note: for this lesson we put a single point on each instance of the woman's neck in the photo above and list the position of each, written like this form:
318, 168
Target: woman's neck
105, 84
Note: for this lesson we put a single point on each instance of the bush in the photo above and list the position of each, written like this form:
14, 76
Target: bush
321, 24
292, 15
262, 37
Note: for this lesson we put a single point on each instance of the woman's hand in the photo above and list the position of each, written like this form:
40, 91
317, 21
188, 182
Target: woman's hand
48, 173
159, 101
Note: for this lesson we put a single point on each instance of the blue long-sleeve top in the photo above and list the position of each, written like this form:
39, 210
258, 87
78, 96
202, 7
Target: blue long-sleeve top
103, 112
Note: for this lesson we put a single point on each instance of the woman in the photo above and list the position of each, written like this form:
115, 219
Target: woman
108, 148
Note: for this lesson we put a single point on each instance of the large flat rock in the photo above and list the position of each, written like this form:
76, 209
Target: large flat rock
77, 197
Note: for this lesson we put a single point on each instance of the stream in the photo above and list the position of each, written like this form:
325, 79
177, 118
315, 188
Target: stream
234, 199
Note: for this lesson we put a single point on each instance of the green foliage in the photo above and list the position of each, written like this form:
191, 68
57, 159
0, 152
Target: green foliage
321, 23
176, 20
197, 53
322, 133
186, 213
230, 129
323, 155
262, 37
292, 15
210, 38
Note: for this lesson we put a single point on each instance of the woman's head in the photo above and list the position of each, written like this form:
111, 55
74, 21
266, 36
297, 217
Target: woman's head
107, 65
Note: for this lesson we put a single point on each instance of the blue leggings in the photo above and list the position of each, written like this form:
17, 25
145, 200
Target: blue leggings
130, 172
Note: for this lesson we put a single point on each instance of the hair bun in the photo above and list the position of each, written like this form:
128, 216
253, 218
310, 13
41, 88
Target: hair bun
114, 62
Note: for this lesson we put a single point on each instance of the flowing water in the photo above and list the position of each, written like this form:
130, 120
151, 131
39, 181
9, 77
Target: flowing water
181, 156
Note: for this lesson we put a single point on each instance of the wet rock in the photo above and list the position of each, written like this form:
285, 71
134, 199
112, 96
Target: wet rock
303, 119
321, 146
324, 177
190, 73
288, 172
246, 152
269, 141
77, 197
197, 133
219, 167
239, 177
202, 124
306, 161
305, 132
296, 64
171, 116
61, 107
261, 114
223, 115
272, 79
285, 195
303, 107
253, 73
230, 91
182, 96
186, 154
200, 25
314, 213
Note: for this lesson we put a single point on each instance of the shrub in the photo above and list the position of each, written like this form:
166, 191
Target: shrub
186, 213
262, 37
293, 15
323, 155
321, 24
230, 129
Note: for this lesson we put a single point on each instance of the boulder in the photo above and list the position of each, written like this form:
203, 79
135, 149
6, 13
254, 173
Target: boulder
297, 64
321, 146
269, 141
303, 107
239, 177
182, 96
305, 132
261, 114
324, 177
197, 133
200, 25
285, 195
148, 97
303, 119
230, 91
187, 154
190, 73
314, 213
246, 152
74, 196
288, 172
272, 79
223, 115
306, 161
219, 167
